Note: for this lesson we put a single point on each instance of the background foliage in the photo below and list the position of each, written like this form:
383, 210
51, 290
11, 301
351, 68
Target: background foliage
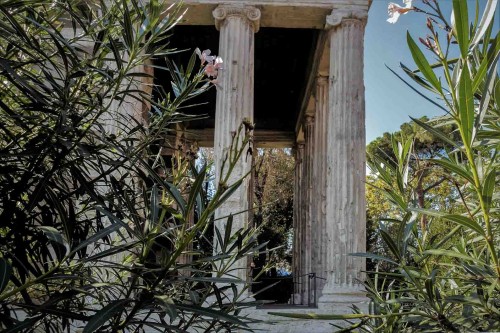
273, 203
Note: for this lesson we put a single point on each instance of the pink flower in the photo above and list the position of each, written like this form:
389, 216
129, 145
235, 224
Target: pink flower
204, 56
213, 64
395, 10
212, 67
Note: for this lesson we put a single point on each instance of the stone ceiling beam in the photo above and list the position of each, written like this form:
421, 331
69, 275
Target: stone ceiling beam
275, 13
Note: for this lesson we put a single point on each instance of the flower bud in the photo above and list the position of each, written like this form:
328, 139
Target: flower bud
429, 24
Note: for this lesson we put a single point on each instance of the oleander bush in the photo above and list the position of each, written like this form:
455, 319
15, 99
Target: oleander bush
96, 233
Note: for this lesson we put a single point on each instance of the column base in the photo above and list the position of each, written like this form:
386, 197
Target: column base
340, 299
297, 299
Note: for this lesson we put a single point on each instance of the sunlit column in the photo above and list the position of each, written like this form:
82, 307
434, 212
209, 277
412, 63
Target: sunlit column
237, 25
345, 195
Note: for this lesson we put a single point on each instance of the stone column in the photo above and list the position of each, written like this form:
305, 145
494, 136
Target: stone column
298, 222
237, 25
319, 245
307, 190
345, 195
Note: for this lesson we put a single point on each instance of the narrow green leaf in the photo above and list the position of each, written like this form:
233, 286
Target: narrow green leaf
54, 235
454, 254
116, 53
320, 316
154, 208
373, 256
128, 35
435, 132
169, 306
99, 41
228, 192
454, 167
486, 19
488, 188
196, 189
461, 25
480, 74
419, 81
98, 235
390, 243
104, 314
23, 326
116, 249
459, 219
228, 230
5, 271
176, 194
466, 106
207, 312
422, 63
214, 280
487, 93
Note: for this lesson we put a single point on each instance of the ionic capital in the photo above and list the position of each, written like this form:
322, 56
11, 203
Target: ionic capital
250, 13
341, 14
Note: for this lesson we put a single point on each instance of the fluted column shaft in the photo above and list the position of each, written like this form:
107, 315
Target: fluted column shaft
237, 25
298, 221
306, 232
345, 193
319, 237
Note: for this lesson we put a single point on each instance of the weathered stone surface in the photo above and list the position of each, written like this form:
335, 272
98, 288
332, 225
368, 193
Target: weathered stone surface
329, 211
345, 194
237, 25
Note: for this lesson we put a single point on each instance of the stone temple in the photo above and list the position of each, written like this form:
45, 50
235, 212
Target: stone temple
295, 69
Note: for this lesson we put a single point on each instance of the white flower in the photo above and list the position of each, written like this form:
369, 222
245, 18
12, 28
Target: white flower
395, 10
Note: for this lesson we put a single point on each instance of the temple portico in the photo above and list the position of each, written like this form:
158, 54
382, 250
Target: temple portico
323, 122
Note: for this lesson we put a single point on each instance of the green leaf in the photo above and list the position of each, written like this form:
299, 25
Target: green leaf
454, 254
436, 132
373, 256
320, 316
228, 231
461, 25
104, 314
23, 326
488, 90
207, 312
480, 74
128, 35
488, 188
422, 63
54, 235
228, 192
5, 271
486, 19
420, 81
154, 209
390, 243
459, 219
169, 306
196, 189
449, 165
98, 235
466, 106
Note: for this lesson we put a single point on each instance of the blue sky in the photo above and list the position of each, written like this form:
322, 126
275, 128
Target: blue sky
389, 102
